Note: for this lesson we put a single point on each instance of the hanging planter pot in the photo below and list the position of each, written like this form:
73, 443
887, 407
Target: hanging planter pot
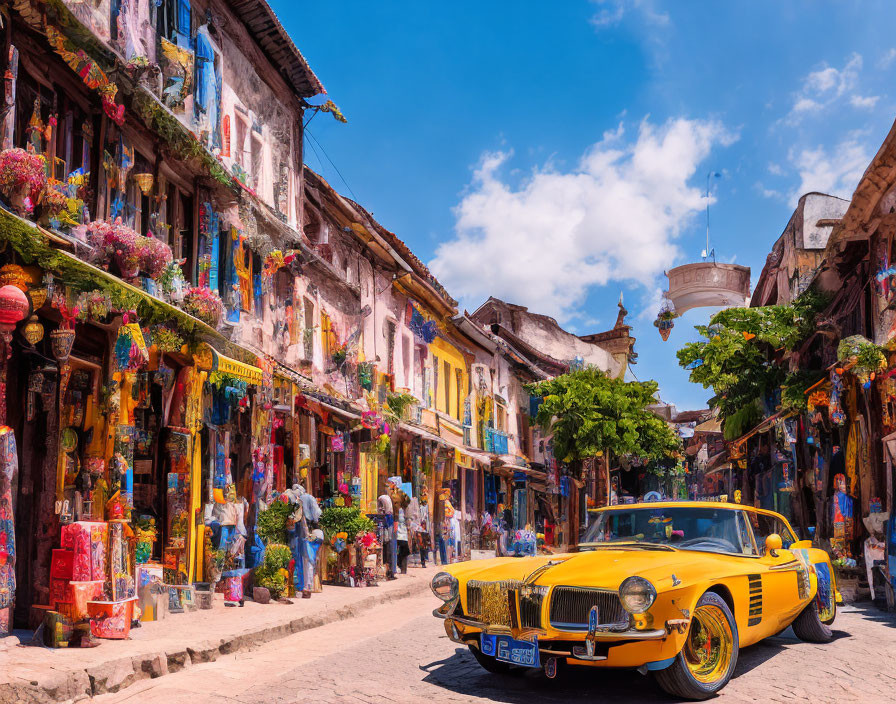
62, 340
665, 327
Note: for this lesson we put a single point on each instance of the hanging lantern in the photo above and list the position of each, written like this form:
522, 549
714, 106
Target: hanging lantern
38, 296
62, 340
144, 182
13, 275
33, 330
14, 307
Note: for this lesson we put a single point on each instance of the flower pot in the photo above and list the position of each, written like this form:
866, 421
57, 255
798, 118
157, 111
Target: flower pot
62, 340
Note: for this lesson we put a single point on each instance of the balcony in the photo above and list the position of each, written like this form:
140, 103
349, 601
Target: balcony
496, 441
708, 284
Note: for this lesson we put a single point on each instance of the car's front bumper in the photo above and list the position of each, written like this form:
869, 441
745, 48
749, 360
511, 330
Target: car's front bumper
628, 647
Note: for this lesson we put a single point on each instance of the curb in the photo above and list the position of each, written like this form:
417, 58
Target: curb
115, 674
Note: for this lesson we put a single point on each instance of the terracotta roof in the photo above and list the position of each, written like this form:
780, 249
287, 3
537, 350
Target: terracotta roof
539, 358
692, 416
276, 43
399, 246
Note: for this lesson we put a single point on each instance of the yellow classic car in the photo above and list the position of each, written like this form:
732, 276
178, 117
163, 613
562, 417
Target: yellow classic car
670, 588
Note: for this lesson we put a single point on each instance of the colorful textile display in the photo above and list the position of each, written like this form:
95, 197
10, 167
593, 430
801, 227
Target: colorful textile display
89, 71
88, 541
8, 468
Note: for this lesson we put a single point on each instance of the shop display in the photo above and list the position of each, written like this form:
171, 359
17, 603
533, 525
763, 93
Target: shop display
111, 619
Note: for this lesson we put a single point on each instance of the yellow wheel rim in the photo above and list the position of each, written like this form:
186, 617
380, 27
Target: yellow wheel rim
710, 642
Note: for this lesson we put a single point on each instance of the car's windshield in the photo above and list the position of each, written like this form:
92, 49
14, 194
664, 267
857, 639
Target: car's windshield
707, 528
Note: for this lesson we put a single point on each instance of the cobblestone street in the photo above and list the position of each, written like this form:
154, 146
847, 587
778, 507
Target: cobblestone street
399, 653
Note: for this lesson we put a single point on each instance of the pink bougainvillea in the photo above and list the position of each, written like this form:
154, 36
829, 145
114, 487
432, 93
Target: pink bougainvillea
203, 303
22, 174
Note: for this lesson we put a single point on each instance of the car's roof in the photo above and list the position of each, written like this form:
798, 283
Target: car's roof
684, 504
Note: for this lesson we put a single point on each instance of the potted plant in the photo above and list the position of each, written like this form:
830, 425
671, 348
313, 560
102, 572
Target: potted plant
154, 256
115, 243
22, 178
203, 303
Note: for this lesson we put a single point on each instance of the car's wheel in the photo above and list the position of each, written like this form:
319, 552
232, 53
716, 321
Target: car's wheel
809, 627
709, 656
833, 612
489, 663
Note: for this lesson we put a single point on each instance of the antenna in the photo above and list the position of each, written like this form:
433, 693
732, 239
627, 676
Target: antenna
709, 252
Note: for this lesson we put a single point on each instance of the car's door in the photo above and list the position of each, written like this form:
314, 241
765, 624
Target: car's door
780, 587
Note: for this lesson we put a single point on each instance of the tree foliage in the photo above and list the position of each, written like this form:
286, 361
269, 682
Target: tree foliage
740, 359
589, 413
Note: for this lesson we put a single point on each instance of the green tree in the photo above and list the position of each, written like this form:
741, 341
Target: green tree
588, 413
743, 356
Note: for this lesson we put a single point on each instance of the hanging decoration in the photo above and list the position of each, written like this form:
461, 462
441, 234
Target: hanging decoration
89, 71
423, 329
14, 307
131, 352
665, 319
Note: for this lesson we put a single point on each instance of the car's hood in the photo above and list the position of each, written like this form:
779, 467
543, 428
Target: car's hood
602, 567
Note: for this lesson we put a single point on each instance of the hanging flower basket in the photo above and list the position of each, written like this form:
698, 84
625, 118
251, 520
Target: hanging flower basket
665, 328
203, 303
116, 244
664, 319
154, 256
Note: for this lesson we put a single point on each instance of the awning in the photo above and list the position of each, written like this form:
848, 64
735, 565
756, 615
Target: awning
338, 411
463, 456
710, 426
514, 461
227, 365
209, 359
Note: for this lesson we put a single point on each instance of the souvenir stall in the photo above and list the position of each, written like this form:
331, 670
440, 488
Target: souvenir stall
236, 477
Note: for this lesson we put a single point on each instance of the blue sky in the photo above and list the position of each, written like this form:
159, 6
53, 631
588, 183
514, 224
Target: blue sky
555, 154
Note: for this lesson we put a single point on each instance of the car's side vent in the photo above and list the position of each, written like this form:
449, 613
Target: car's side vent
755, 582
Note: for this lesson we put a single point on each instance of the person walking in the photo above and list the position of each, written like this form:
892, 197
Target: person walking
401, 533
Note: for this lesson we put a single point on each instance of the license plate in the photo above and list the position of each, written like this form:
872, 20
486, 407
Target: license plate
506, 649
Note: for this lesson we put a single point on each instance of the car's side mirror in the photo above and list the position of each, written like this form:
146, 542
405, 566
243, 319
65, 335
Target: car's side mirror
773, 543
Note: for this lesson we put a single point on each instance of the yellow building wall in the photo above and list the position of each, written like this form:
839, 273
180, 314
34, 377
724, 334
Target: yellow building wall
451, 404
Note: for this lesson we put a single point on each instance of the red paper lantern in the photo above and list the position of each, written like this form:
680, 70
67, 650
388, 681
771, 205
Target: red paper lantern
14, 306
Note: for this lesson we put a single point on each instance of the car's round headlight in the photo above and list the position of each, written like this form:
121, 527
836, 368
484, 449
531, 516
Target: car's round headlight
444, 586
636, 594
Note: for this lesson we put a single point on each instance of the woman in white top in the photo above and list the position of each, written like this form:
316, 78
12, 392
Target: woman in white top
403, 548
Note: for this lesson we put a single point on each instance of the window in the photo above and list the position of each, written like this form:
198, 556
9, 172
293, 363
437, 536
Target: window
459, 380
390, 347
446, 368
183, 240
255, 168
435, 381
501, 417
764, 525
308, 329
239, 149
406, 362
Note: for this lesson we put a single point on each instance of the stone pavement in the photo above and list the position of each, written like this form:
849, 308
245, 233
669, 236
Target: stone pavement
399, 653
37, 674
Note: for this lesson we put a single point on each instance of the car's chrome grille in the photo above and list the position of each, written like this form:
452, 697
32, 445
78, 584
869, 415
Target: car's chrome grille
530, 601
488, 601
570, 607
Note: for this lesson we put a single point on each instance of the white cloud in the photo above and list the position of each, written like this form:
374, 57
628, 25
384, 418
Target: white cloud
611, 12
614, 217
836, 172
823, 87
866, 102
775, 169
887, 59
